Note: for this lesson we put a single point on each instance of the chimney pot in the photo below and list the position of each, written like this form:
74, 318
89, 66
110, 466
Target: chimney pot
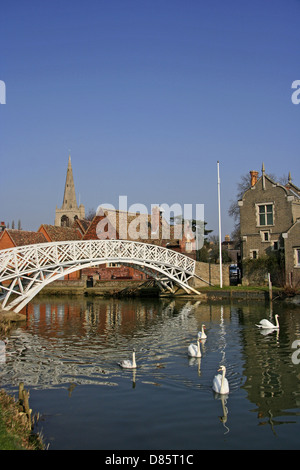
254, 175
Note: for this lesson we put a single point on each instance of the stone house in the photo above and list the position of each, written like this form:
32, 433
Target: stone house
269, 216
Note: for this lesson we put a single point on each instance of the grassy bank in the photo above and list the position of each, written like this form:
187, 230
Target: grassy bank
15, 427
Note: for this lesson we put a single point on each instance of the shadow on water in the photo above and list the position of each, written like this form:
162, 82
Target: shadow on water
67, 353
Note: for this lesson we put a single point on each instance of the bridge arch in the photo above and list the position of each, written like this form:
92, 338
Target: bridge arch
25, 270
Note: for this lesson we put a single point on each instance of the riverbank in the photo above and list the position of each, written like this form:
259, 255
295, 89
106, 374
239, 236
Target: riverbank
8, 320
208, 293
134, 289
16, 426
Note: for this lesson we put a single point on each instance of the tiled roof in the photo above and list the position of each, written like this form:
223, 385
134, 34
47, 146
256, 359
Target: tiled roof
83, 224
60, 234
23, 237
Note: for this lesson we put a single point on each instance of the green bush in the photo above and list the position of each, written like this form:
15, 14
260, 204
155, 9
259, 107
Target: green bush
258, 269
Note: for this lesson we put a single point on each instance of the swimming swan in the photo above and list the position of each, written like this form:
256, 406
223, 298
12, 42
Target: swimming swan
267, 324
127, 364
220, 383
193, 350
201, 333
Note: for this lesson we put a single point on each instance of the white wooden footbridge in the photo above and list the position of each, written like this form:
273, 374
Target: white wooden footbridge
25, 270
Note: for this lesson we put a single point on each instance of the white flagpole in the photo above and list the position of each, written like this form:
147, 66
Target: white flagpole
220, 236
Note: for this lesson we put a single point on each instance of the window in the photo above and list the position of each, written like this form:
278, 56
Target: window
64, 221
265, 236
265, 214
253, 254
297, 257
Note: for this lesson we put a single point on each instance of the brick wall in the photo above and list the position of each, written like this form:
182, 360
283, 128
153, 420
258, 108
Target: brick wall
104, 273
6, 242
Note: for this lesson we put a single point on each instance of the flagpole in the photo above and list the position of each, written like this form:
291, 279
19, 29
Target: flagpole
220, 237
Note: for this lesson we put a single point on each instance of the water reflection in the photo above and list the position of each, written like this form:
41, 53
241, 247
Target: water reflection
223, 418
66, 344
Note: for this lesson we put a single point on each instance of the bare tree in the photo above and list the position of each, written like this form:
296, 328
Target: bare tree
90, 215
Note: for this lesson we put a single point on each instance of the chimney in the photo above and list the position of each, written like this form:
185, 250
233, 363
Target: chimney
254, 175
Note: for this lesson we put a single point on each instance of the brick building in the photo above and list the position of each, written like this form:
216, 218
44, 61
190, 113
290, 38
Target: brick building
62, 234
269, 222
11, 238
145, 228
53, 233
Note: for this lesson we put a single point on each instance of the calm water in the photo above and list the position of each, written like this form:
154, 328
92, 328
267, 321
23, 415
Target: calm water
66, 354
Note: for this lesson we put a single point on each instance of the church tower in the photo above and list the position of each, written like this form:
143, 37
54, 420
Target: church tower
69, 211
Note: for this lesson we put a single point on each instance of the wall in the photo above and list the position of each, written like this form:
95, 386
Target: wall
104, 273
292, 241
6, 242
209, 271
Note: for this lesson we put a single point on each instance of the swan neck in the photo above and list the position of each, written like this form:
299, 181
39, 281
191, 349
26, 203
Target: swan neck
222, 381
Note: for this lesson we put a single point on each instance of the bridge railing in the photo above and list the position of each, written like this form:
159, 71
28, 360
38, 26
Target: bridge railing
26, 259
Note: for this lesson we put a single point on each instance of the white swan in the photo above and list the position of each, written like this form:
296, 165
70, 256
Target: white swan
193, 350
201, 333
267, 324
220, 383
127, 364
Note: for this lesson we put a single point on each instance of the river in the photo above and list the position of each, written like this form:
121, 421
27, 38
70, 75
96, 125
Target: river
67, 352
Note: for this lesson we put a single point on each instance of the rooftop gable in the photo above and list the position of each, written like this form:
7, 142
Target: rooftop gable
58, 234
23, 237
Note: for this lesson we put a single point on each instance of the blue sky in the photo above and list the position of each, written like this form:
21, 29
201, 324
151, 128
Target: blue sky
147, 96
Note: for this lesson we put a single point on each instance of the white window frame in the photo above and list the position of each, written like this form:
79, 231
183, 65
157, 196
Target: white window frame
297, 257
263, 233
255, 250
258, 214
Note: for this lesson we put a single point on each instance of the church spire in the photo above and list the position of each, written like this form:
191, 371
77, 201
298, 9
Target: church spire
69, 210
69, 201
